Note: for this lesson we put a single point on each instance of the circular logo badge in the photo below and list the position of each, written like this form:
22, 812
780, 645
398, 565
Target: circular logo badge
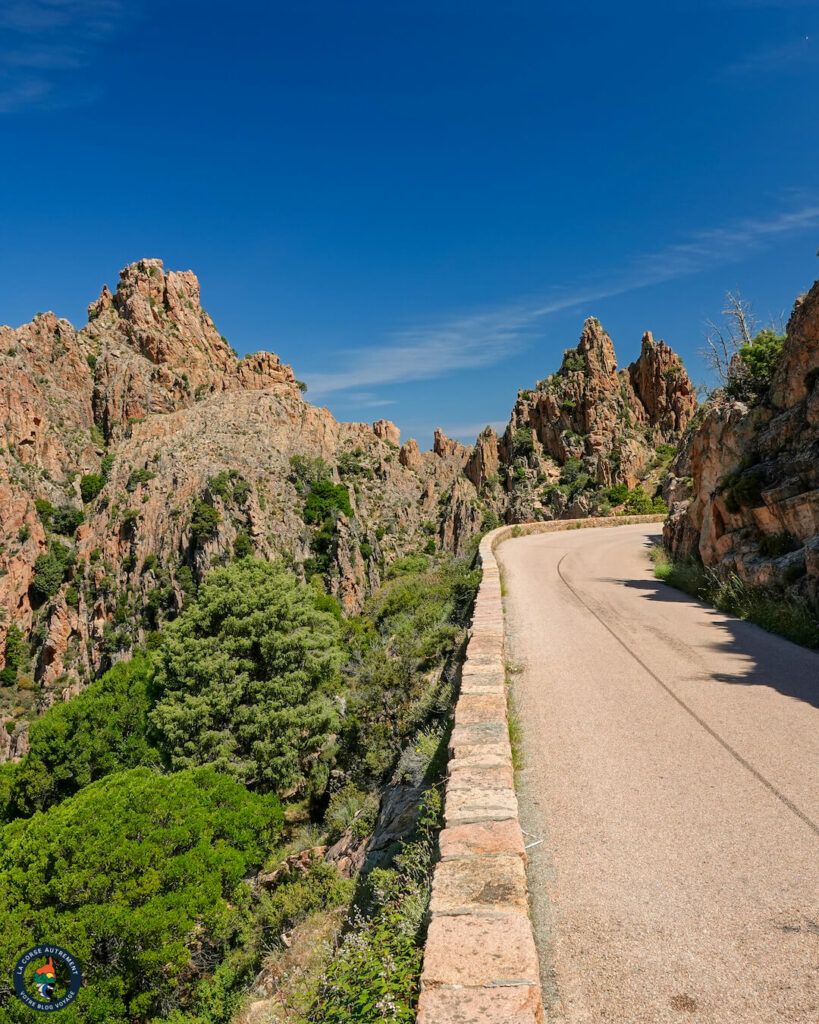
47, 978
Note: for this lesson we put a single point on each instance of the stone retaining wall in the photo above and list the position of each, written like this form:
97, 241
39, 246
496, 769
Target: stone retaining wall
480, 962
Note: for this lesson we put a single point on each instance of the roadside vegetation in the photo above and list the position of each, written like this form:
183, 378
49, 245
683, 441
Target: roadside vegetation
168, 824
763, 606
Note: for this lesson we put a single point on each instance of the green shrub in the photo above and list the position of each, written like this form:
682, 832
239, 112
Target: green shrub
72, 598
90, 486
571, 469
306, 471
204, 520
137, 477
324, 499
102, 730
242, 548
149, 564
407, 566
65, 520
774, 545
366, 550
135, 874
24, 533
429, 547
759, 360
15, 646
49, 570
245, 678
107, 464
523, 444
374, 975
639, 503
574, 362
342, 808
409, 627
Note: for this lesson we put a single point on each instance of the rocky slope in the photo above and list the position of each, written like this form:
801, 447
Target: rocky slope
139, 424
754, 474
139, 451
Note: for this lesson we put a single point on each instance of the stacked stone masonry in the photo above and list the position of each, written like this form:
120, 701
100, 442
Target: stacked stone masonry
480, 961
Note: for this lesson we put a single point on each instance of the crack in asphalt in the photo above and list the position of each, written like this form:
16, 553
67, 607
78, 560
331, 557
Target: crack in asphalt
700, 721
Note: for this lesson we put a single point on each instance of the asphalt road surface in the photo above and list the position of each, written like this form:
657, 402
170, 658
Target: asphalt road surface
669, 789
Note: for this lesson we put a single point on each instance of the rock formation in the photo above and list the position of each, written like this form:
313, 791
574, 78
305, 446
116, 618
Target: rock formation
754, 474
139, 451
150, 411
607, 424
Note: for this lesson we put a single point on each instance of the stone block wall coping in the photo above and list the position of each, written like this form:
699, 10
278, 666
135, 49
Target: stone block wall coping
480, 960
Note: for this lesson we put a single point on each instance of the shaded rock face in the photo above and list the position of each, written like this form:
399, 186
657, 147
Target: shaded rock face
610, 420
754, 474
151, 387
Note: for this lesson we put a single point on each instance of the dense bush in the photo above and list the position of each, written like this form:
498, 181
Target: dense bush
242, 548
15, 646
618, 494
305, 471
326, 498
137, 477
65, 520
102, 730
90, 486
408, 628
204, 520
522, 443
245, 677
374, 975
757, 362
50, 569
126, 874
409, 565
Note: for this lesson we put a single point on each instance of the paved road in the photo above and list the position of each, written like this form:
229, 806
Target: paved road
671, 765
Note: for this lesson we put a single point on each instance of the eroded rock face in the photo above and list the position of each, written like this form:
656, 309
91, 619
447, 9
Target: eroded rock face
386, 430
755, 474
150, 385
611, 421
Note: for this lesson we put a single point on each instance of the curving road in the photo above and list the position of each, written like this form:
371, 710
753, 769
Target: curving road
671, 770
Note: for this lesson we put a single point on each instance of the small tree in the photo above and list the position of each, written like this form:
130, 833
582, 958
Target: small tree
90, 486
245, 677
737, 353
205, 520
13, 653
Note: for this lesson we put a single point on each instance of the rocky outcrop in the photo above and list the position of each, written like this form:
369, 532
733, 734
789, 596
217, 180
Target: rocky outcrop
161, 454
754, 474
484, 462
386, 430
661, 384
151, 400
607, 424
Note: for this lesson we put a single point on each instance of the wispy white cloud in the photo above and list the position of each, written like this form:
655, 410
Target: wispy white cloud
43, 43
484, 338
367, 400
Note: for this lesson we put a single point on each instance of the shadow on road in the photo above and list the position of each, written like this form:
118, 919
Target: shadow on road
772, 661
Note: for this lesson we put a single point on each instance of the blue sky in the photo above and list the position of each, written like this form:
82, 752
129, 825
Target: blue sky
416, 204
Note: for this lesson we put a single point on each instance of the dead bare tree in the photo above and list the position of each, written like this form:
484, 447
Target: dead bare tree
722, 343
